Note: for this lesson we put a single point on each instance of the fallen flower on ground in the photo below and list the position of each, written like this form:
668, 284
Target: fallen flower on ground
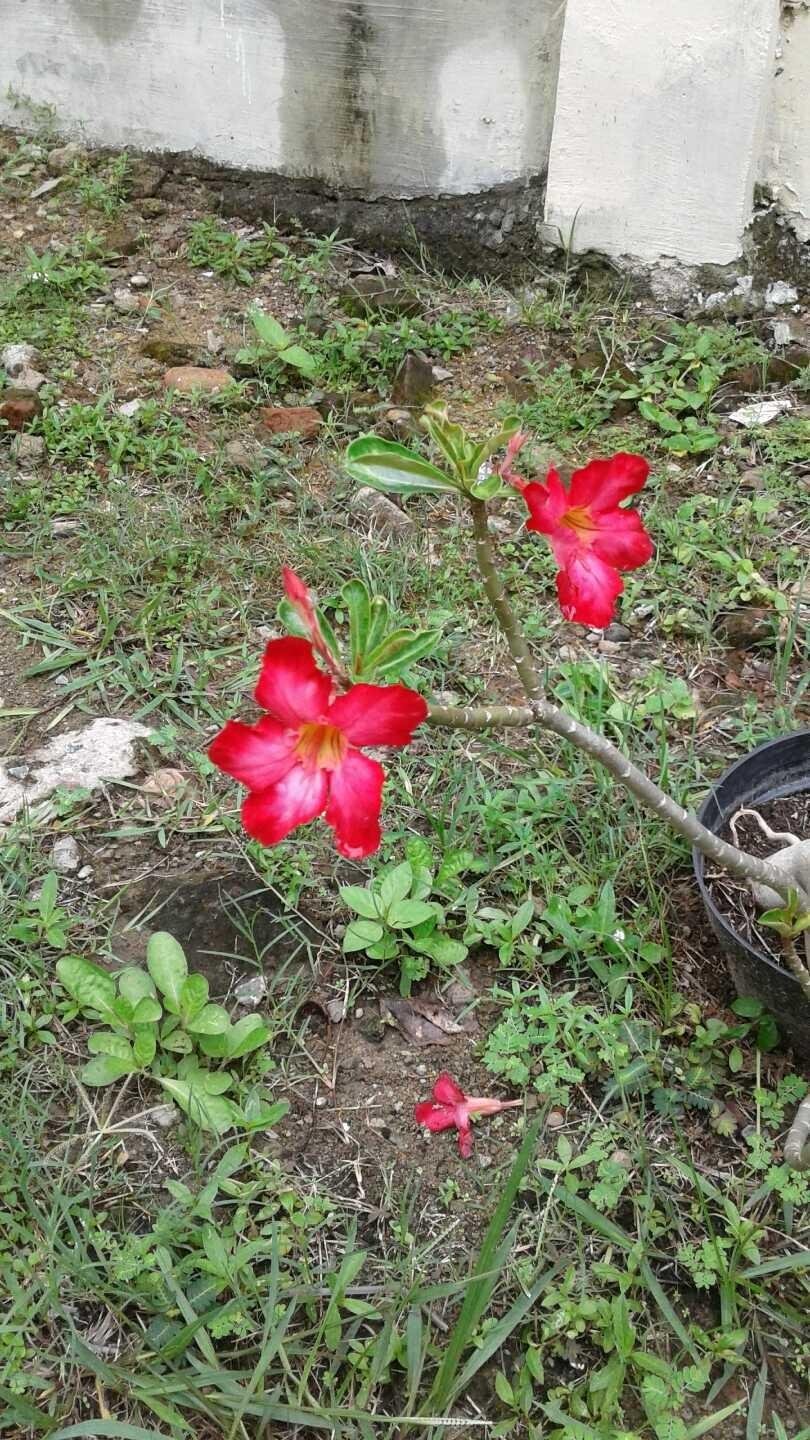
302, 758
449, 1108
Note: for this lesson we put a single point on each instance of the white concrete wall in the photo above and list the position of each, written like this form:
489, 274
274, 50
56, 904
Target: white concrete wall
653, 116
394, 97
785, 166
660, 117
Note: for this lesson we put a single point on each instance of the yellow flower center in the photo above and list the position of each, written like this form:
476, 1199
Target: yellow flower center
323, 747
580, 520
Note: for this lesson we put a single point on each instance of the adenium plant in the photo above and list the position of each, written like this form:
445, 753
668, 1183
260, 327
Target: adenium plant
305, 756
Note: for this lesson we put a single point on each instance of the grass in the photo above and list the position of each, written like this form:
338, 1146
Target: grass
629, 1255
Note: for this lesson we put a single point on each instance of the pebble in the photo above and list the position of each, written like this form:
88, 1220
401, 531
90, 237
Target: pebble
300, 420
381, 513
617, 632
16, 358
85, 872
139, 281
780, 293
64, 157
414, 381
252, 991
28, 449
187, 378
125, 302
555, 1120
130, 408
568, 652
236, 453
19, 407
65, 855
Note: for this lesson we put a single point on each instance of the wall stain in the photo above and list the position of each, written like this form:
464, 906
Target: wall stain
110, 20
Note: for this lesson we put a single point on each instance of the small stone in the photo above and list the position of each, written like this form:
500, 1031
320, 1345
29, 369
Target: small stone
780, 293
144, 179
251, 992
123, 238
125, 302
236, 453
378, 293
335, 1010
555, 1120
77, 759
214, 343
568, 652
30, 380
18, 772
747, 625
139, 281
28, 449
286, 507
381, 513
165, 1116
16, 358
64, 525
760, 413
19, 407
610, 647
85, 872
300, 420
617, 632
165, 783
414, 382
64, 157
440, 374
65, 855
188, 378
130, 408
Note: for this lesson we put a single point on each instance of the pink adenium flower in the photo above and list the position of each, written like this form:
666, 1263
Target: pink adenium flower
300, 597
449, 1108
591, 537
302, 759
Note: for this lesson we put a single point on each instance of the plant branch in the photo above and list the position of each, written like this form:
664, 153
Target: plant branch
797, 1145
737, 862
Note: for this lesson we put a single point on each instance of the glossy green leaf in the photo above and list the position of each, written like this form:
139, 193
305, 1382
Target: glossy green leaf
354, 595
147, 1011
167, 966
211, 1020
134, 983
441, 949
360, 934
360, 900
106, 1069
109, 1042
268, 329
144, 1045
404, 914
379, 615
193, 997
401, 649
214, 1113
392, 468
300, 359
393, 886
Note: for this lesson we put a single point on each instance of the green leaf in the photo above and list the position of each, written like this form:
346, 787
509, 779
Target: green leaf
379, 613
399, 650
144, 1045
211, 1020
360, 934
503, 1389
134, 984
394, 886
300, 359
268, 329
360, 899
404, 914
47, 896
147, 1011
107, 1042
237, 1040
211, 1112
105, 1069
167, 966
388, 466
193, 997
88, 984
354, 595
441, 948
257, 1114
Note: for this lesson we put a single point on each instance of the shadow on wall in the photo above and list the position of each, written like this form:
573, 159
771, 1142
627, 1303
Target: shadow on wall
110, 20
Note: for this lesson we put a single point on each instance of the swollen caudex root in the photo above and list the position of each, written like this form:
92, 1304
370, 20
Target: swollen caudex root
793, 861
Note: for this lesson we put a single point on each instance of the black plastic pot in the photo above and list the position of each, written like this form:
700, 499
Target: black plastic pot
777, 768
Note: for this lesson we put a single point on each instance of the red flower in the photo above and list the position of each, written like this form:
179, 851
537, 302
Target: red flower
302, 602
302, 760
450, 1108
592, 539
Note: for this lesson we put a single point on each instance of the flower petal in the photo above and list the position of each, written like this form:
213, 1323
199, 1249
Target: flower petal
465, 1141
588, 589
434, 1117
446, 1091
268, 815
255, 755
291, 687
603, 483
378, 714
547, 503
621, 540
355, 797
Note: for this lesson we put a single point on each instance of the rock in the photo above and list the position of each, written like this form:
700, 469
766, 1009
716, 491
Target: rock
47, 187
165, 784
214, 343
793, 864
165, 1116
748, 625
125, 302
617, 632
301, 420
188, 378
65, 855
440, 374
85, 873
378, 293
381, 513
610, 647
251, 992
123, 238
139, 281
402, 424
762, 412
76, 760
780, 293
19, 407
31, 380
130, 408
286, 507
28, 449
64, 525
16, 358
64, 157
555, 1120
152, 207
414, 382
144, 179
236, 453
168, 343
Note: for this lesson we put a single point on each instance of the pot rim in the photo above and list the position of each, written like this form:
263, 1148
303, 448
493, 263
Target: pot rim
699, 860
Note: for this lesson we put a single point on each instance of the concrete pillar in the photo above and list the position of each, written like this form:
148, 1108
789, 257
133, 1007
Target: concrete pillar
785, 165
661, 109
